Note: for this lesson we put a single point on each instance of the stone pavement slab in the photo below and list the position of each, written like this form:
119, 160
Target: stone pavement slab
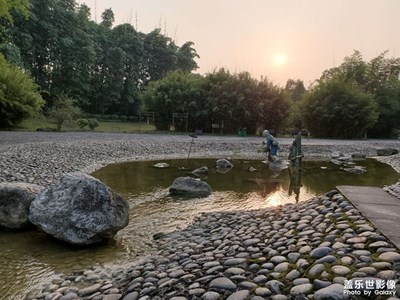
378, 206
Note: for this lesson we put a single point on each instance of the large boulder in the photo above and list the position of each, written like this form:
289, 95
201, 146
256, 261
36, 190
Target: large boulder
80, 210
15, 199
189, 187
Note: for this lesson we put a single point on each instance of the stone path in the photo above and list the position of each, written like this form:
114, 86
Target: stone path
378, 206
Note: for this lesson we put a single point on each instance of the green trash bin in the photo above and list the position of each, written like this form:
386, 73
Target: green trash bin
240, 132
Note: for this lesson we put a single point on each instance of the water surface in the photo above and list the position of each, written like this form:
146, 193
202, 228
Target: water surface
27, 258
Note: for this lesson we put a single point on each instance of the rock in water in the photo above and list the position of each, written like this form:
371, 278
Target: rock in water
161, 165
80, 210
201, 172
189, 187
224, 164
15, 199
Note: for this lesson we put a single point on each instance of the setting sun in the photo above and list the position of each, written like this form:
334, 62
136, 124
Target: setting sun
279, 59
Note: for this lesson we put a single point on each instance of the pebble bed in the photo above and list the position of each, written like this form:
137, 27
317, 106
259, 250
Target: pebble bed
295, 251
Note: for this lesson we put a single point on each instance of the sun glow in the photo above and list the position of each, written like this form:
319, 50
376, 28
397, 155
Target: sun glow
280, 59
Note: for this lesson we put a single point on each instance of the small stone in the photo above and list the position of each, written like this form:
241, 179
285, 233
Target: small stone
239, 295
334, 291
210, 296
222, 284
302, 289
320, 252
390, 256
340, 270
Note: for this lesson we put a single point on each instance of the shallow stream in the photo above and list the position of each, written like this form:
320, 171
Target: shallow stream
30, 257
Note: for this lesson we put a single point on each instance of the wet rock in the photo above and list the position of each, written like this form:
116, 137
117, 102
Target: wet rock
223, 164
161, 165
189, 187
201, 172
80, 210
15, 200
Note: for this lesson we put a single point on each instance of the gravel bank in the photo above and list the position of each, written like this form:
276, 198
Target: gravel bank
285, 252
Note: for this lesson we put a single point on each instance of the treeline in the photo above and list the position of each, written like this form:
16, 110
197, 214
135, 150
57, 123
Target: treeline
53, 55
232, 100
103, 68
354, 100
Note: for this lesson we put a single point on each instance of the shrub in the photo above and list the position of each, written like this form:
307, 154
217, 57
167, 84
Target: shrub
82, 123
63, 110
19, 97
93, 123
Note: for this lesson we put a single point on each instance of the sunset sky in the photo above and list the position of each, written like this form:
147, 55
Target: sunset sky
279, 39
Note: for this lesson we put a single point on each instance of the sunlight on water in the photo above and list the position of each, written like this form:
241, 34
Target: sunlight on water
29, 258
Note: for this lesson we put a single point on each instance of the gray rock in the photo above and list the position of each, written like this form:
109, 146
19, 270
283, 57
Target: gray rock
332, 292
222, 284
302, 289
223, 164
390, 256
201, 172
326, 259
356, 170
320, 252
340, 270
316, 270
15, 199
161, 165
189, 187
210, 296
239, 295
386, 151
80, 210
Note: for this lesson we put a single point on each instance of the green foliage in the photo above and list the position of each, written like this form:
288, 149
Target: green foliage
337, 108
63, 110
236, 100
19, 97
294, 92
93, 124
6, 7
176, 93
379, 77
104, 68
82, 123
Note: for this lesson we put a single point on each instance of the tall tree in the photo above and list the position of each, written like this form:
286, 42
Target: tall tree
338, 108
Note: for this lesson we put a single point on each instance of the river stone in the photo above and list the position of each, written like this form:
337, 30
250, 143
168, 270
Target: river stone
80, 210
189, 187
222, 284
223, 164
302, 289
210, 296
332, 292
320, 252
161, 165
15, 199
200, 172
340, 270
239, 295
390, 256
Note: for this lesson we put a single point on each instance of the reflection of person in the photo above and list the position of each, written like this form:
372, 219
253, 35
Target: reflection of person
272, 146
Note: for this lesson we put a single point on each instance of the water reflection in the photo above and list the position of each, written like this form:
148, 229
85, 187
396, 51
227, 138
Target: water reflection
28, 257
